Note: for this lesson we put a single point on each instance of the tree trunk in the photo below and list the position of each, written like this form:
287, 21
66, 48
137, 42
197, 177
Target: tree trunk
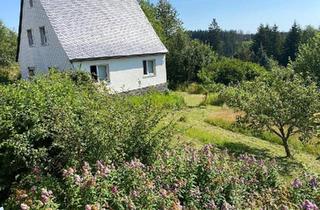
286, 147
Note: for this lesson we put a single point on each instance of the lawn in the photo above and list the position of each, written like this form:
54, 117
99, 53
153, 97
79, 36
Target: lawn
193, 127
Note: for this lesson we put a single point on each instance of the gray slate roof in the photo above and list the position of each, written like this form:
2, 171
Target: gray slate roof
102, 28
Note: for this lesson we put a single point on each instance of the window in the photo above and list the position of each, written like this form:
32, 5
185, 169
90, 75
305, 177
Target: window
43, 35
31, 3
149, 68
31, 72
30, 37
100, 72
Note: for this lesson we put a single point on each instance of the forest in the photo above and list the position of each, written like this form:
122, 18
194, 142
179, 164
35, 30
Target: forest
237, 129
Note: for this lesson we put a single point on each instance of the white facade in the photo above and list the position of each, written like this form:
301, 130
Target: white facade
39, 57
126, 74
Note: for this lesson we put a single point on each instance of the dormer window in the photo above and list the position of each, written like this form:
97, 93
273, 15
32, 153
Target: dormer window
30, 38
31, 3
43, 35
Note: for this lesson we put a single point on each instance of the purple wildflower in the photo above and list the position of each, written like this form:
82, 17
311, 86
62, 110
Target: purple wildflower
36, 170
207, 151
45, 195
211, 205
44, 199
226, 206
195, 193
24, 206
297, 183
114, 190
103, 170
314, 182
45, 192
86, 169
67, 173
23, 196
308, 205
135, 164
163, 192
77, 179
283, 207
135, 194
33, 189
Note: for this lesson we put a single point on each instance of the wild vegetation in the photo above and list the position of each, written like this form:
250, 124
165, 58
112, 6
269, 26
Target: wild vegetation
280, 103
215, 143
9, 70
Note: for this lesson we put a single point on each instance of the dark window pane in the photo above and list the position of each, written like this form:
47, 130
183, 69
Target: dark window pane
145, 70
94, 74
30, 37
31, 3
31, 71
43, 35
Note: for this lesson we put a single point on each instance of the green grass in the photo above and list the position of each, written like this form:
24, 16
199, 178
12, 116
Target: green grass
193, 127
170, 100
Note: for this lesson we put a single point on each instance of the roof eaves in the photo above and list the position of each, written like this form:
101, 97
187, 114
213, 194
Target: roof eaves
116, 57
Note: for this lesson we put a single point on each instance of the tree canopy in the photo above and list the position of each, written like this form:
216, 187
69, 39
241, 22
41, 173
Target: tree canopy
308, 60
280, 102
8, 45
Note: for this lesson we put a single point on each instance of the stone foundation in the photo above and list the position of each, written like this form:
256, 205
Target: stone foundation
161, 87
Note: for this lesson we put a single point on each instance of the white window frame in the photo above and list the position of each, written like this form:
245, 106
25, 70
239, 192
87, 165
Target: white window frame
107, 79
43, 36
145, 65
30, 38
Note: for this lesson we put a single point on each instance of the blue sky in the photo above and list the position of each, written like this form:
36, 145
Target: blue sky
230, 14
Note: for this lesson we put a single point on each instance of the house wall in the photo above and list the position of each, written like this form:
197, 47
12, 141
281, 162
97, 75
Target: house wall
126, 74
40, 57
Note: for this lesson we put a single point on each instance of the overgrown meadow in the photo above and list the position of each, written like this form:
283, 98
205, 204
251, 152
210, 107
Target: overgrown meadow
67, 144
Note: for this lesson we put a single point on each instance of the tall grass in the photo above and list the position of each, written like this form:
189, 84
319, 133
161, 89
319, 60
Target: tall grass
311, 148
166, 100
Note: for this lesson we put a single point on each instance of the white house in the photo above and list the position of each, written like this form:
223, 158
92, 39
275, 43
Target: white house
111, 39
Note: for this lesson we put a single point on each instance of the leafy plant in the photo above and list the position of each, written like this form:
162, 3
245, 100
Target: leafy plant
189, 178
281, 103
308, 59
9, 74
55, 120
230, 71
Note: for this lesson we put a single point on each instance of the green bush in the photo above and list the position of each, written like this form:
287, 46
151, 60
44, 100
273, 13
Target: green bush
54, 121
192, 88
230, 71
9, 74
214, 99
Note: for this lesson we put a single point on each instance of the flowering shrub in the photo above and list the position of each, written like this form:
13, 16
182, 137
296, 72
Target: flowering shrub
180, 178
34, 199
58, 119
306, 190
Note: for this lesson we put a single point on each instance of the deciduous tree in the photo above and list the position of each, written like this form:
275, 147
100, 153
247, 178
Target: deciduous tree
281, 103
8, 45
308, 60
